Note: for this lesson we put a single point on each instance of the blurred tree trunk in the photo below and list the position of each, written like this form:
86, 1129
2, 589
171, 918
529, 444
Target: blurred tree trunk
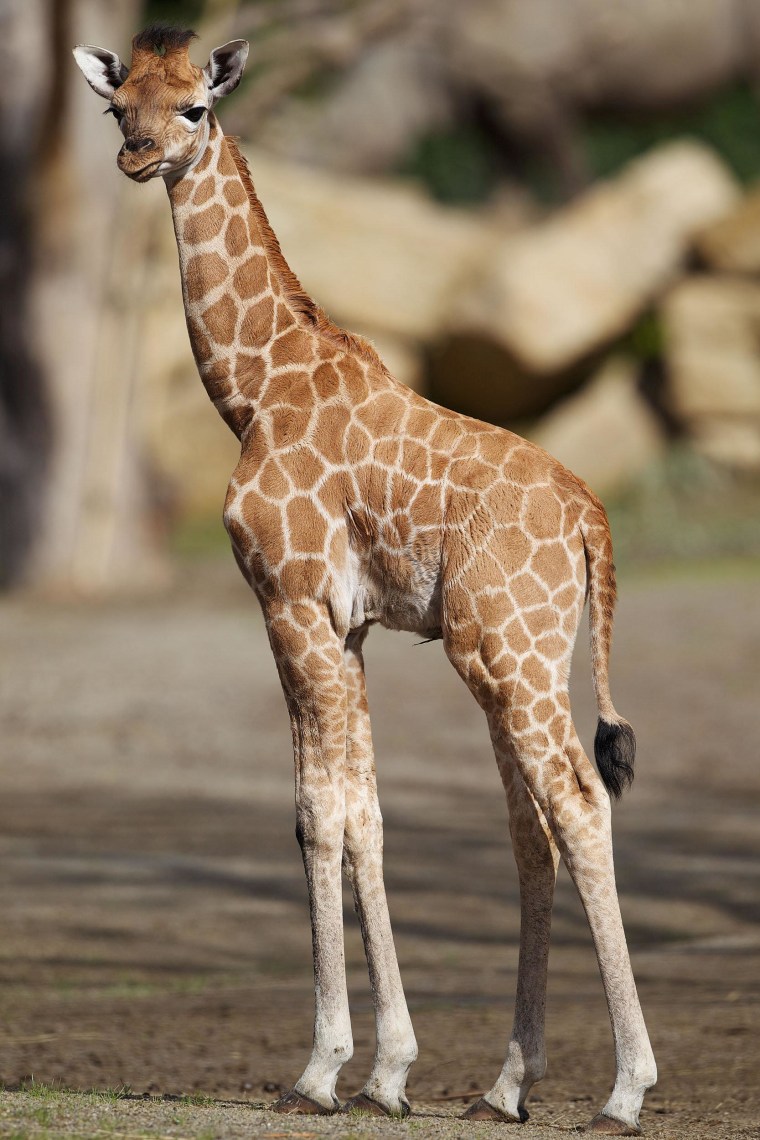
98, 532
24, 404
81, 508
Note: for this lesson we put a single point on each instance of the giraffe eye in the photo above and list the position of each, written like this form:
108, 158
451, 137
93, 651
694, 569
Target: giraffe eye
194, 114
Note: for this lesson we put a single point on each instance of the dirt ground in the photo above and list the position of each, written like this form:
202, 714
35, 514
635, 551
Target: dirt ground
155, 933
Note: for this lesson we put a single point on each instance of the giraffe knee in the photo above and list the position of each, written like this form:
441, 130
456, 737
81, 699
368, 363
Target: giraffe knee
363, 835
319, 830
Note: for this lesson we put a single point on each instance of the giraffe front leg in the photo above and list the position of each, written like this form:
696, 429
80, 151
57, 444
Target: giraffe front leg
384, 1093
310, 662
537, 857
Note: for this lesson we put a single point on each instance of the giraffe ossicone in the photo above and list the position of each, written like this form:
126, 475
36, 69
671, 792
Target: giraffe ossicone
356, 501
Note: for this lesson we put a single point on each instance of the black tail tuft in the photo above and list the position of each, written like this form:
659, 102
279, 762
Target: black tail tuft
615, 751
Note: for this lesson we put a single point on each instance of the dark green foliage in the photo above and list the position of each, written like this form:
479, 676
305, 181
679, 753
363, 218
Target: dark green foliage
644, 342
197, 536
464, 163
685, 509
320, 83
185, 13
729, 122
458, 165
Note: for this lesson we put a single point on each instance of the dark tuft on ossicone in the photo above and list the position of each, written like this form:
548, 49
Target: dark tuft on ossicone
162, 39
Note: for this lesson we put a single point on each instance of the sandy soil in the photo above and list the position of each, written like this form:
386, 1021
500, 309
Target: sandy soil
155, 930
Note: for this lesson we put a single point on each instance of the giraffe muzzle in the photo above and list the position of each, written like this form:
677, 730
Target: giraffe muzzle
139, 158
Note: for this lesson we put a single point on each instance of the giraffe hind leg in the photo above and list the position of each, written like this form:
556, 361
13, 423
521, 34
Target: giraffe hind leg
537, 857
525, 698
576, 806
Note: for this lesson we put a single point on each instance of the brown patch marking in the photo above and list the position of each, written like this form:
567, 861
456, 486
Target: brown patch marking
307, 525
256, 328
221, 319
527, 591
205, 271
204, 225
234, 193
265, 522
326, 381
543, 514
204, 190
289, 425
331, 432
291, 348
304, 467
272, 482
252, 277
302, 578
236, 236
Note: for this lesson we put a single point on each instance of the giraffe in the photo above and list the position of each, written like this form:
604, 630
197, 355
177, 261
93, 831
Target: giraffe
356, 501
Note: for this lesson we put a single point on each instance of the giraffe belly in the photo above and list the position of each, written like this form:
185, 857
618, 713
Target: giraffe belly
398, 592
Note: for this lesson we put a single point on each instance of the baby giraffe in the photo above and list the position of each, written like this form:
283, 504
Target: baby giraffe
356, 501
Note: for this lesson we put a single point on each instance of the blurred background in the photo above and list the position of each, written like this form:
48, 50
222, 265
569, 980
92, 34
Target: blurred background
544, 213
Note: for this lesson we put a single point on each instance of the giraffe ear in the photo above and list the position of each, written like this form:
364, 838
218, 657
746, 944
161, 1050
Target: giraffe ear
224, 69
102, 69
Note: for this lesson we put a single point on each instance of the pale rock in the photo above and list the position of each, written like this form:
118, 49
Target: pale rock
557, 292
540, 66
592, 53
474, 374
733, 443
605, 433
732, 244
712, 345
191, 446
374, 255
373, 115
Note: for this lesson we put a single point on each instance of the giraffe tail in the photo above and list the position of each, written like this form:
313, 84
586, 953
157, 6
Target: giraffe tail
615, 742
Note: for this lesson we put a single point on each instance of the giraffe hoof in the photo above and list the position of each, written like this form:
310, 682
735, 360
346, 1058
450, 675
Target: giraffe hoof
303, 1105
482, 1110
363, 1103
610, 1126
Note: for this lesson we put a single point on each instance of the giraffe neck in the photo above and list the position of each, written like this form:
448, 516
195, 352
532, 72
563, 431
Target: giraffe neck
238, 291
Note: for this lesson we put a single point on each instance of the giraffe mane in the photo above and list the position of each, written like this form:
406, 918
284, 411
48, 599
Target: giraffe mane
302, 304
162, 39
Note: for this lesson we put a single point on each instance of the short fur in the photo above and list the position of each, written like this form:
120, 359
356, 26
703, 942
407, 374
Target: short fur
162, 39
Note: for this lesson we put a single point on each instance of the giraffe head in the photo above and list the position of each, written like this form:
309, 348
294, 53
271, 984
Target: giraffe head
162, 101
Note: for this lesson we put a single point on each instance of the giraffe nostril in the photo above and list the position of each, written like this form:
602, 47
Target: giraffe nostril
137, 144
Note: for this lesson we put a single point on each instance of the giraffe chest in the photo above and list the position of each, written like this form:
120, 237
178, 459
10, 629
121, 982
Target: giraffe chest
368, 565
